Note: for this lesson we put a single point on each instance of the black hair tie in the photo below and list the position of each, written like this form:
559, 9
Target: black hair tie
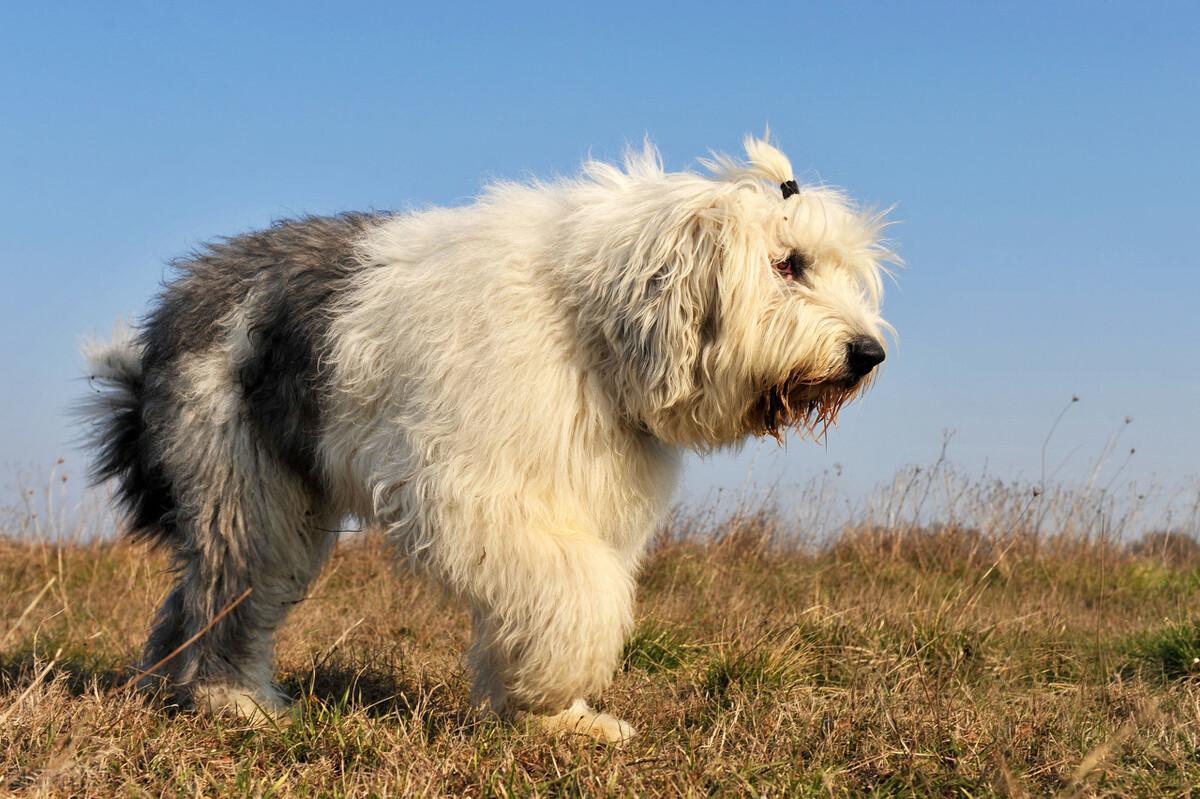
789, 187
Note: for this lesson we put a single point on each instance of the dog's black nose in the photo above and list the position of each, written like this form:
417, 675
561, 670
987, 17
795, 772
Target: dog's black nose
863, 355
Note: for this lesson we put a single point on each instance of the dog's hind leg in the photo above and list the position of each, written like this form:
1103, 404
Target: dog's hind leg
249, 536
255, 587
256, 549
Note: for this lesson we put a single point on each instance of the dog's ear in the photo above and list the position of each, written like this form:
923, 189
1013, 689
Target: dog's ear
667, 311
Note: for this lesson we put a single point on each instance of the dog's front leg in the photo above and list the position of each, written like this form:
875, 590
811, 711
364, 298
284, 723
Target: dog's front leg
581, 719
550, 617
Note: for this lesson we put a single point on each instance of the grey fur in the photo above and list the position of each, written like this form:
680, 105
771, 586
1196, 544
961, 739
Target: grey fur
282, 280
212, 437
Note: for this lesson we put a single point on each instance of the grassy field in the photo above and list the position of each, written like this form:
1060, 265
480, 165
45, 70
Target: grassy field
904, 660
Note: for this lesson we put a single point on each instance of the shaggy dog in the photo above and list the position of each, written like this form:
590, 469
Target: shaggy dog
506, 387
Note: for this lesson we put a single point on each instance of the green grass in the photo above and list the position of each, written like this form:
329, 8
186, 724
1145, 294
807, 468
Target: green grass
654, 647
907, 662
1171, 651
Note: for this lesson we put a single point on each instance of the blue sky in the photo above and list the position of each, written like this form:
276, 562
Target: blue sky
1042, 158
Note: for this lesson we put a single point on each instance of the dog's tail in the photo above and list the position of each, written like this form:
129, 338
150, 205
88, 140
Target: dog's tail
116, 431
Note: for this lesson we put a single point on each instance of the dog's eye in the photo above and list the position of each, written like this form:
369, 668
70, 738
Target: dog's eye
794, 266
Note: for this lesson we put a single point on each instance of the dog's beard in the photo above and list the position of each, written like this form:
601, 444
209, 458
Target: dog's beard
806, 406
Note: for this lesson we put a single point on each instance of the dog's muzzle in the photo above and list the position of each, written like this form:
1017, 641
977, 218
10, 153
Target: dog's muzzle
862, 355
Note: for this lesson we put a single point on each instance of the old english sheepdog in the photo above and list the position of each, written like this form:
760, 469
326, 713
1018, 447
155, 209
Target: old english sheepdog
506, 387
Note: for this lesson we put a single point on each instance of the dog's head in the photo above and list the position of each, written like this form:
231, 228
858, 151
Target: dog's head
730, 304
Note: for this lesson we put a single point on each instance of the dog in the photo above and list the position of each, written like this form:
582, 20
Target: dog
506, 387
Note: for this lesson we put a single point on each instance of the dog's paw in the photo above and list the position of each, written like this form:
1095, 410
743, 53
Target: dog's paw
259, 707
579, 719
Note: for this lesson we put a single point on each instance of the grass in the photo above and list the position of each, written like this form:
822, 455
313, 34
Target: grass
1009, 658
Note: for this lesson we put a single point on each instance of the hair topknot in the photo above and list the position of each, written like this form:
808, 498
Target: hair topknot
763, 162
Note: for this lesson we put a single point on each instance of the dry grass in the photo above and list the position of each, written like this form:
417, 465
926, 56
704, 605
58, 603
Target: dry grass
892, 660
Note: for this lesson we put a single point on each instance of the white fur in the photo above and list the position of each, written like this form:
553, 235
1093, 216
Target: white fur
515, 379
507, 388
